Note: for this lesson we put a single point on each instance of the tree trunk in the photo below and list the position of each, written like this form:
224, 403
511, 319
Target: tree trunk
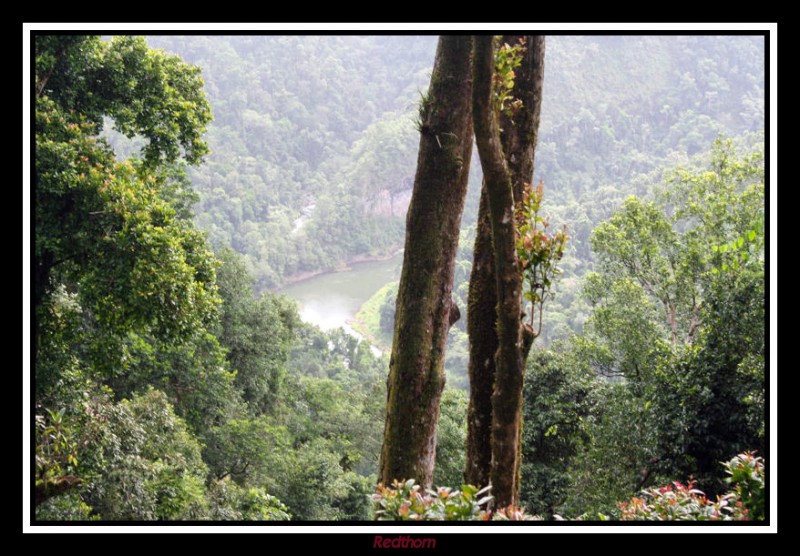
520, 133
481, 312
519, 142
424, 307
519, 136
506, 170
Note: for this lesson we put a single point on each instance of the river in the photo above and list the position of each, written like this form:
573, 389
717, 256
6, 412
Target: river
332, 299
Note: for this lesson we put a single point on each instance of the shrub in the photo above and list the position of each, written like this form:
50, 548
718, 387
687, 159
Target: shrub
678, 502
747, 477
406, 501
66, 507
229, 501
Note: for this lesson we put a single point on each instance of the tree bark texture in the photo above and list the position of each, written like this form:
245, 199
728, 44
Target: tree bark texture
481, 312
518, 138
507, 161
424, 306
519, 134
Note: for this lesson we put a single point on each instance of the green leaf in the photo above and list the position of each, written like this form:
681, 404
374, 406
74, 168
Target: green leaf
469, 490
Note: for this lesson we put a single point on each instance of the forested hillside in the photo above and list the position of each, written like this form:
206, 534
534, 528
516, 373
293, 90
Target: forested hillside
314, 142
313, 145
165, 388
181, 181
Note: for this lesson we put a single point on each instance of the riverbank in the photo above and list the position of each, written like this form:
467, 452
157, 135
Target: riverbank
367, 320
342, 267
333, 299
378, 346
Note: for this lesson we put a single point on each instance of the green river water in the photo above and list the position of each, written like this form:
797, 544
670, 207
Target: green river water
330, 300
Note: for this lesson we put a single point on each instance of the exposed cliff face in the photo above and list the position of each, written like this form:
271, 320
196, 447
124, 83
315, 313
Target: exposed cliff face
391, 201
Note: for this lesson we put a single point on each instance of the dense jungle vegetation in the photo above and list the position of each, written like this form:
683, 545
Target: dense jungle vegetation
181, 181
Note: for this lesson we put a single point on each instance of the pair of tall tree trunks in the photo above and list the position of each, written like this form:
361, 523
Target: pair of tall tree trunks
460, 94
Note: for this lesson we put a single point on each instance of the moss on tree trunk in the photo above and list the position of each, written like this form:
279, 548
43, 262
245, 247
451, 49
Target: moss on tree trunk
482, 301
424, 306
507, 161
